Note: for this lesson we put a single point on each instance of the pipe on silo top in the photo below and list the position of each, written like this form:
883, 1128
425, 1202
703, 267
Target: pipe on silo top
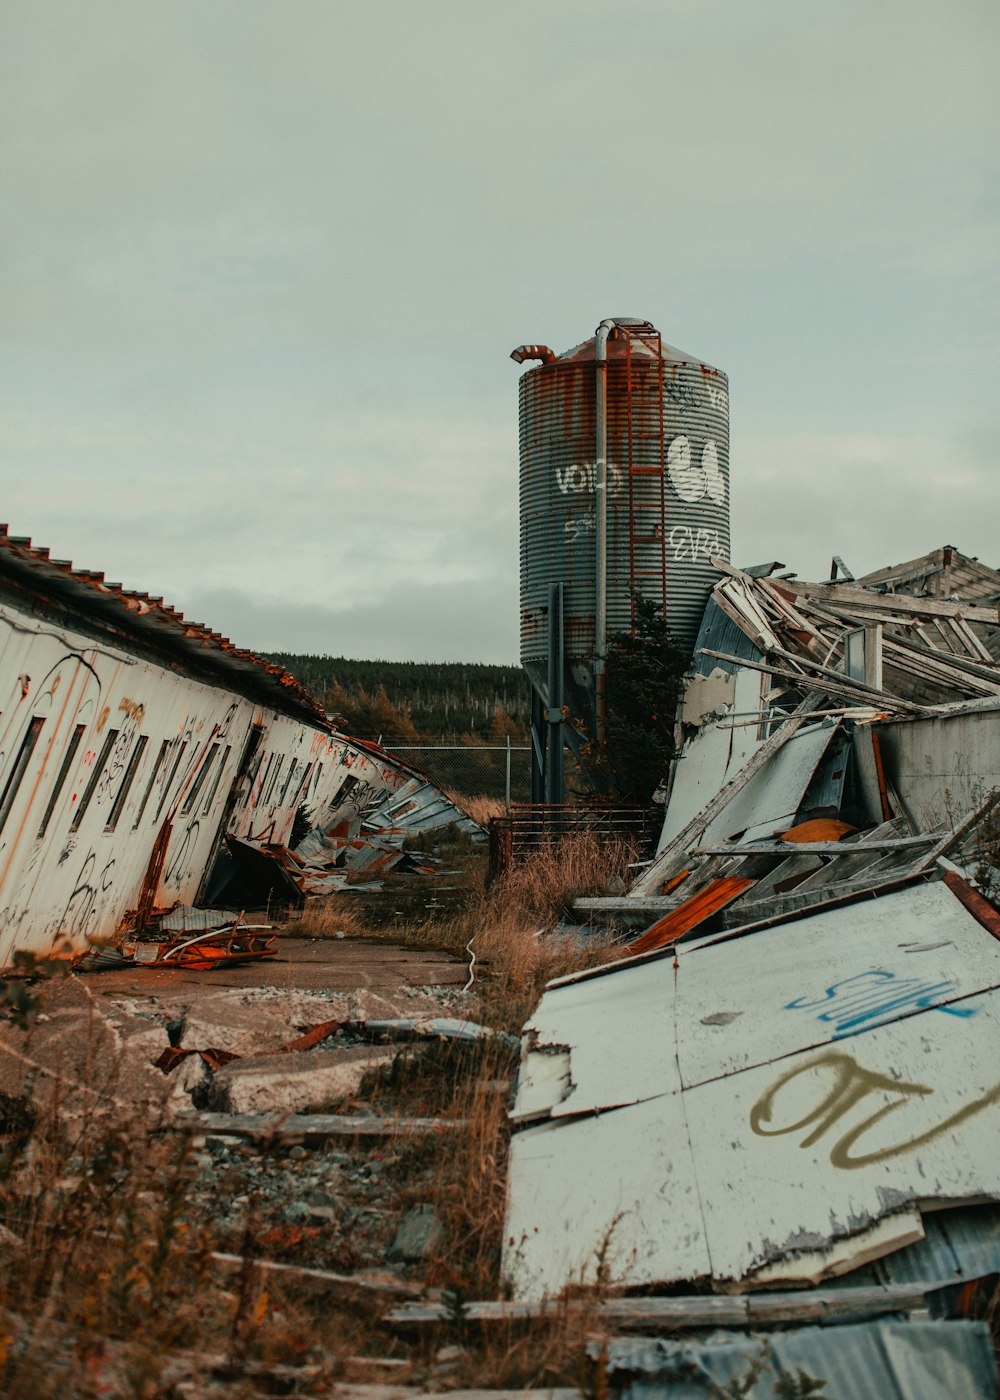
601, 523
533, 352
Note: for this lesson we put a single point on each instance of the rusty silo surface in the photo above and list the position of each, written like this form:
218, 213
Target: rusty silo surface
667, 451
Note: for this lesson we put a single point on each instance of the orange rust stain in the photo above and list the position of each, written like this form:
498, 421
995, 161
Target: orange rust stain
102, 718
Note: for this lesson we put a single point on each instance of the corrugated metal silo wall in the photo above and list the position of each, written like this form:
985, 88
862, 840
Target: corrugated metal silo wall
557, 478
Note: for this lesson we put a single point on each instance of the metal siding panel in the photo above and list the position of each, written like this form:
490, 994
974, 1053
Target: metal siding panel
623, 1183
866, 1361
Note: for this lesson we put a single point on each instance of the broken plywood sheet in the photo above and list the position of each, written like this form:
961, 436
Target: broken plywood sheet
584, 1032
803, 1154
768, 1134
710, 759
830, 976
618, 1190
769, 801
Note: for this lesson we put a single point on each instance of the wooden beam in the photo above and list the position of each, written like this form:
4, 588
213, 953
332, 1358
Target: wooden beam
697, 1310
819, 848
398, 1287
316, 1127
844, 686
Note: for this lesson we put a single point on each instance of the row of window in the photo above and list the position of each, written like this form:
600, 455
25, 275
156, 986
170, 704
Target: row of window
272, 775
30, 741
208, 768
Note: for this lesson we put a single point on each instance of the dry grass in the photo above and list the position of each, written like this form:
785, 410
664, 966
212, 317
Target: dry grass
107, 1271
107, 1276
480, 809
328, 918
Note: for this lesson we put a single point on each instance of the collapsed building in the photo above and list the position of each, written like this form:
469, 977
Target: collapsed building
147, 763
785, 1096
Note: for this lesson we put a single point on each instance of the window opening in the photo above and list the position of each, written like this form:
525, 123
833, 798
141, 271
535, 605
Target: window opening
61, 776
152, 779
303, 784
199, 781
345, 790
288, 781
274, 778
214, 788
130, 772
92, 782
170, 781
17, 772
263, 781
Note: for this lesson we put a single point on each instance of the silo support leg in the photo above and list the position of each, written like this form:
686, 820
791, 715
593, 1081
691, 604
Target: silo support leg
537, 748
554, 717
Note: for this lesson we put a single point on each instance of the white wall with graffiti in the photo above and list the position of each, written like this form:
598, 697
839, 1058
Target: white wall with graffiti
120, 775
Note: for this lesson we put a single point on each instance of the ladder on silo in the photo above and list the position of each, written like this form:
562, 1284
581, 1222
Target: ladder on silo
657, 534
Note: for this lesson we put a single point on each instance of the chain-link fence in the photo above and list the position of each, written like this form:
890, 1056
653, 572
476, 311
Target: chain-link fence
498, 771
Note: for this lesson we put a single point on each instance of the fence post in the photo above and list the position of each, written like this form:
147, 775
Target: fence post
508, 775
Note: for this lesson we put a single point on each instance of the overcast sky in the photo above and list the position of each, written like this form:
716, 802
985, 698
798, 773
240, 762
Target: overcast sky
263, 265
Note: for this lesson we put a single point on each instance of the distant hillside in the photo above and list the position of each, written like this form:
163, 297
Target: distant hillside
412, 700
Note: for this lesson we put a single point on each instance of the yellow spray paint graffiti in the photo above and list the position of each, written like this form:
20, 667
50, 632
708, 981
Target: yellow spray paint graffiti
852, 1084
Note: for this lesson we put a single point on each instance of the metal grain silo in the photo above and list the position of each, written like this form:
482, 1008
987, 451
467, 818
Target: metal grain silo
645, 427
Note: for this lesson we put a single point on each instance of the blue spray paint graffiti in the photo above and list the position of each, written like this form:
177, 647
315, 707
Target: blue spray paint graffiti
874, 998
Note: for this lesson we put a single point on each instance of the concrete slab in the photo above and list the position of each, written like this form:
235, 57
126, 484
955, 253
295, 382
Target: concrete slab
308, 964
293, 1083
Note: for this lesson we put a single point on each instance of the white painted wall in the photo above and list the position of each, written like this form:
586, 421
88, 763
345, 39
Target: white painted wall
79, 876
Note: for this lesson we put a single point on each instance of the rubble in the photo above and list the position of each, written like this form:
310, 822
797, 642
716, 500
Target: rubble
419, 1233
786, 1084
291, 1084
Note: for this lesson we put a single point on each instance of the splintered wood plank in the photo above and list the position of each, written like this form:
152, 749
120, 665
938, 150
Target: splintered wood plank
698, 1310
302, 1127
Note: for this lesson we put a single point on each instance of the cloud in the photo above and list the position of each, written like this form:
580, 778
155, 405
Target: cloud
423, 622
873, 500
263, 265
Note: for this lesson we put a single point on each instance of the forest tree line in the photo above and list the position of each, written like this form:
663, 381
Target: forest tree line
417, 701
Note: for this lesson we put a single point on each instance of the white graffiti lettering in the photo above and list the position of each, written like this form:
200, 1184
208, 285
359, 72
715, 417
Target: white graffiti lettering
718, 396
579, 525
581, 477
687, 543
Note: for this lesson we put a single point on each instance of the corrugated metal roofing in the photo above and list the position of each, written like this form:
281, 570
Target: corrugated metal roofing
868, 1361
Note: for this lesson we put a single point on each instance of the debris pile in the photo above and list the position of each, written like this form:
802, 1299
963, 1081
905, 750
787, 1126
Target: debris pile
785, 1096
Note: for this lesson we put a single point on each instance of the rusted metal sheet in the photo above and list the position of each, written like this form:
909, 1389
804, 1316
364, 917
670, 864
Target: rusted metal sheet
785, 1104
691, 914
888, 1359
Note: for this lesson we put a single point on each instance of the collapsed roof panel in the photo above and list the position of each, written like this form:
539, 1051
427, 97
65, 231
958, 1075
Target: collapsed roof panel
810, 1081
921, 651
